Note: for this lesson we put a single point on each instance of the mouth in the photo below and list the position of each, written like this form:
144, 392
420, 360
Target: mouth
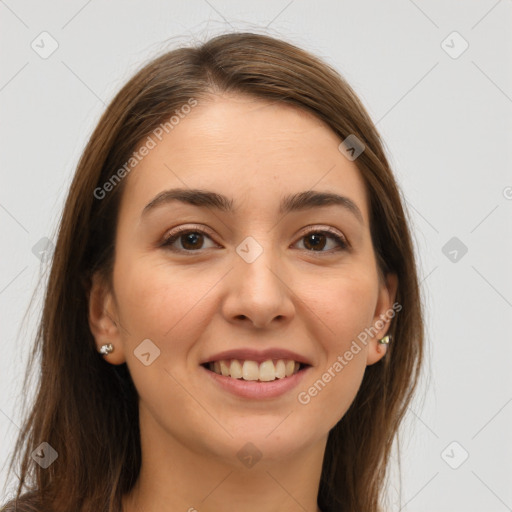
248, 370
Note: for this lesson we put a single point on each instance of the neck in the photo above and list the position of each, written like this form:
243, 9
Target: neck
175, 476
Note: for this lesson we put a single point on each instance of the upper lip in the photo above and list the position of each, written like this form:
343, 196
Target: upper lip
257, 355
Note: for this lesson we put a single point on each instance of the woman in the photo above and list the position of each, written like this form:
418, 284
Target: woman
233, 318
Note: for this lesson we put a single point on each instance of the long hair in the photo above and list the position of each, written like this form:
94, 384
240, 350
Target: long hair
86, 408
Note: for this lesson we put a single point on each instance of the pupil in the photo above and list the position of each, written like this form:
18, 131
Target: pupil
317, 242
191, 238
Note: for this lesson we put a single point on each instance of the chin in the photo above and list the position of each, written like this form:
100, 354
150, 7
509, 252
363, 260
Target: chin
269, 437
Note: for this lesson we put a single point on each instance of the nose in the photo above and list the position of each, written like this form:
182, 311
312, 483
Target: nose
259, 293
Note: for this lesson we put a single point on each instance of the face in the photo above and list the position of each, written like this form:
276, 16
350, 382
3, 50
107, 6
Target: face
253, 278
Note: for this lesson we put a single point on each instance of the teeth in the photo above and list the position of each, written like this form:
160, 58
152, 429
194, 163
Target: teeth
250, 370
235, 369
267, 370
280, 369
224, 369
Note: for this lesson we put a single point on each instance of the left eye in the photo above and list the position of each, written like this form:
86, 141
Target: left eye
317, 239
192, 240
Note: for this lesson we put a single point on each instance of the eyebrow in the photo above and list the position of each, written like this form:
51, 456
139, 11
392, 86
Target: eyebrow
292, 203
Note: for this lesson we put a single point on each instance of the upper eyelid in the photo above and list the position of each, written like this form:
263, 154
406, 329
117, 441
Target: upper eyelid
181, 230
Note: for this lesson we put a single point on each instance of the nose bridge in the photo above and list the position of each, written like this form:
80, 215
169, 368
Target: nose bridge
257, 287
258, 263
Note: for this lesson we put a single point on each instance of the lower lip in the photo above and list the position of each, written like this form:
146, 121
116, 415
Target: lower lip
257, 389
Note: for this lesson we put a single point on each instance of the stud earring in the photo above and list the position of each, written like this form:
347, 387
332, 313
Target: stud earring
385, 340
106, 349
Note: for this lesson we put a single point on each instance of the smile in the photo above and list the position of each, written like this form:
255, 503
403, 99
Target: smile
248, 370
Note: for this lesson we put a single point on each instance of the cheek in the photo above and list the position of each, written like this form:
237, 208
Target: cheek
171, 309
333, 386
161, 304
346, 306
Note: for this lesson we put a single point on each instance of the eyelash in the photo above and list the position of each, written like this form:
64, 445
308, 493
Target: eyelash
175, 235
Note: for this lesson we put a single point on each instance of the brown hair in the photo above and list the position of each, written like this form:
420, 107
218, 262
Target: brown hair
86, 408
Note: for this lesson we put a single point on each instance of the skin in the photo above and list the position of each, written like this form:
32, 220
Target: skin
196, 304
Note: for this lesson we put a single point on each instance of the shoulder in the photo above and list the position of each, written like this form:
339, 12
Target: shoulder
28, 502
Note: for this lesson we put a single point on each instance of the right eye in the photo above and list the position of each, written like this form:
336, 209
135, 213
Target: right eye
191, 239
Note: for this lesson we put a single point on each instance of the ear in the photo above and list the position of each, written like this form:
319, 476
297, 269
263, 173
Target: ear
103, 320
384, 312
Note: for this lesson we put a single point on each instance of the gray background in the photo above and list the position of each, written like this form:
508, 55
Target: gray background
446, 121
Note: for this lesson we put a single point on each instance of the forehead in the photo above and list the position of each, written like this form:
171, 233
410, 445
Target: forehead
248, 149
